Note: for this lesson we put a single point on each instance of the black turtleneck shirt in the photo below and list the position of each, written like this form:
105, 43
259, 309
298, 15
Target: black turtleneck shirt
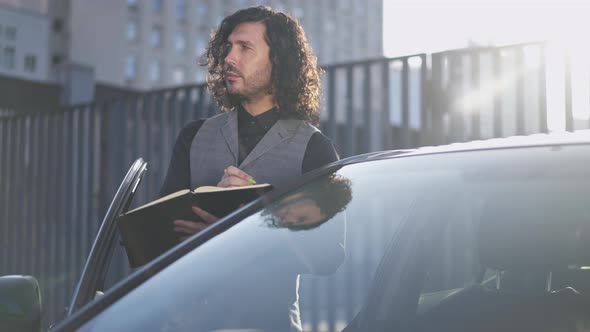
319, 152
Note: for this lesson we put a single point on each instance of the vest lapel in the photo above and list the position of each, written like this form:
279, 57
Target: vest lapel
282, 130
230, 132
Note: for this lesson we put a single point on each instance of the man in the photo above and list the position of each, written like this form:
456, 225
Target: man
265, 78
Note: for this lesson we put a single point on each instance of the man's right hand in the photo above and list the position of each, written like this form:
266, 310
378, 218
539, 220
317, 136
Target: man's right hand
235, 177
186, 228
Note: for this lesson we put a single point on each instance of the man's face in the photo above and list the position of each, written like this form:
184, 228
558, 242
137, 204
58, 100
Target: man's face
247, 67
298, 211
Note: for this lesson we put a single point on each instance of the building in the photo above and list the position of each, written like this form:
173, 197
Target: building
24, 44
145, 44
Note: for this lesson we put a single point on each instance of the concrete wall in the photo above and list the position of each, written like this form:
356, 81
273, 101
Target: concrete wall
97, 31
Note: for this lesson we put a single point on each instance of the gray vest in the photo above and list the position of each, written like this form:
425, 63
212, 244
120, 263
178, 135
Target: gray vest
276, 159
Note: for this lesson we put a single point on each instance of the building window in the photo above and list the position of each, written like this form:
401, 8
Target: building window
179, 75
200, 46
30, 63
133, 4
200, 75
157, 6
56, 59
202, 10
180, 9
9, 55
132, 30
180, 41
58, 25
131, 67
155, 71
10, 33
157, 39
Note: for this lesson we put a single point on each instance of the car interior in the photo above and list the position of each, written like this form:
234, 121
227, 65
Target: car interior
536, 253
517, 262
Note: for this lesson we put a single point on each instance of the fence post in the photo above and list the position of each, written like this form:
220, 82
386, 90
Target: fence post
497, 68
476, 106
569, 116
350, 140
520, 82
425, 102
367, 131
543, 127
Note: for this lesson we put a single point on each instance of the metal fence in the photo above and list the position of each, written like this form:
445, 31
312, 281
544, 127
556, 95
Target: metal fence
60, 169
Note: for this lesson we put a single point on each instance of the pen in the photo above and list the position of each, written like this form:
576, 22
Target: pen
251, 180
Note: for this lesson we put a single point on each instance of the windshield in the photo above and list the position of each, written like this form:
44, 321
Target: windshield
408, 243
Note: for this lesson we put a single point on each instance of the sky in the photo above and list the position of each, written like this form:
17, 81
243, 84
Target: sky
426, 26
415, 26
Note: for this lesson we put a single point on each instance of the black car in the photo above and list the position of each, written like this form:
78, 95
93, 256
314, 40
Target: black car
482, 236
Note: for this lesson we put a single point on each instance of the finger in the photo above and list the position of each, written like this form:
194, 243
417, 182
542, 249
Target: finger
190, 225
192, 230
234, 171
206, 216
233, 181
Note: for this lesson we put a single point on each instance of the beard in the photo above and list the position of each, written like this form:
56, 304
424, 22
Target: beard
255, 85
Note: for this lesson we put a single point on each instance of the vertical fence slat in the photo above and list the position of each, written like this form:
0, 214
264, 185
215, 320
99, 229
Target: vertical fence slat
367, 111
385, 107
405, 130
73, 225
497, 76
569, 115
93, 171
10, 149
332, 127
18, 192
44, 191
437, 109
81, 188
425, 106
68, 230
476, 106
350, 139
202, 103
33, 200
4, 249
62, 202
520, 82
148, 139
87, 190
543, 126
51, 214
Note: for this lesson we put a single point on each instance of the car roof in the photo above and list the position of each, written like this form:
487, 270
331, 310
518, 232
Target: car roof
550, 139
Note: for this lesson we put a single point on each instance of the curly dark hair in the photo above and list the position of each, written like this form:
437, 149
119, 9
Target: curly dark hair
295, 77
331, 194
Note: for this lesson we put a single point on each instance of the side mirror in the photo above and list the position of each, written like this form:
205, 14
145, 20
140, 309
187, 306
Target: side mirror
20, 304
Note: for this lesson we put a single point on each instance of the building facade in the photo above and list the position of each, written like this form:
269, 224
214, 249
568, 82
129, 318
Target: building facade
146, 44
24, 44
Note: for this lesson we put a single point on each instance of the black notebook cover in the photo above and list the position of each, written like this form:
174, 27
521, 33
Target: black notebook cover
147, 231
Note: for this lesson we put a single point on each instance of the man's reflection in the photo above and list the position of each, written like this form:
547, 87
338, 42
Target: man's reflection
316, 203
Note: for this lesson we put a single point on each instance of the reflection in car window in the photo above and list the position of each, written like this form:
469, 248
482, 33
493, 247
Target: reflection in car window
407, 244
